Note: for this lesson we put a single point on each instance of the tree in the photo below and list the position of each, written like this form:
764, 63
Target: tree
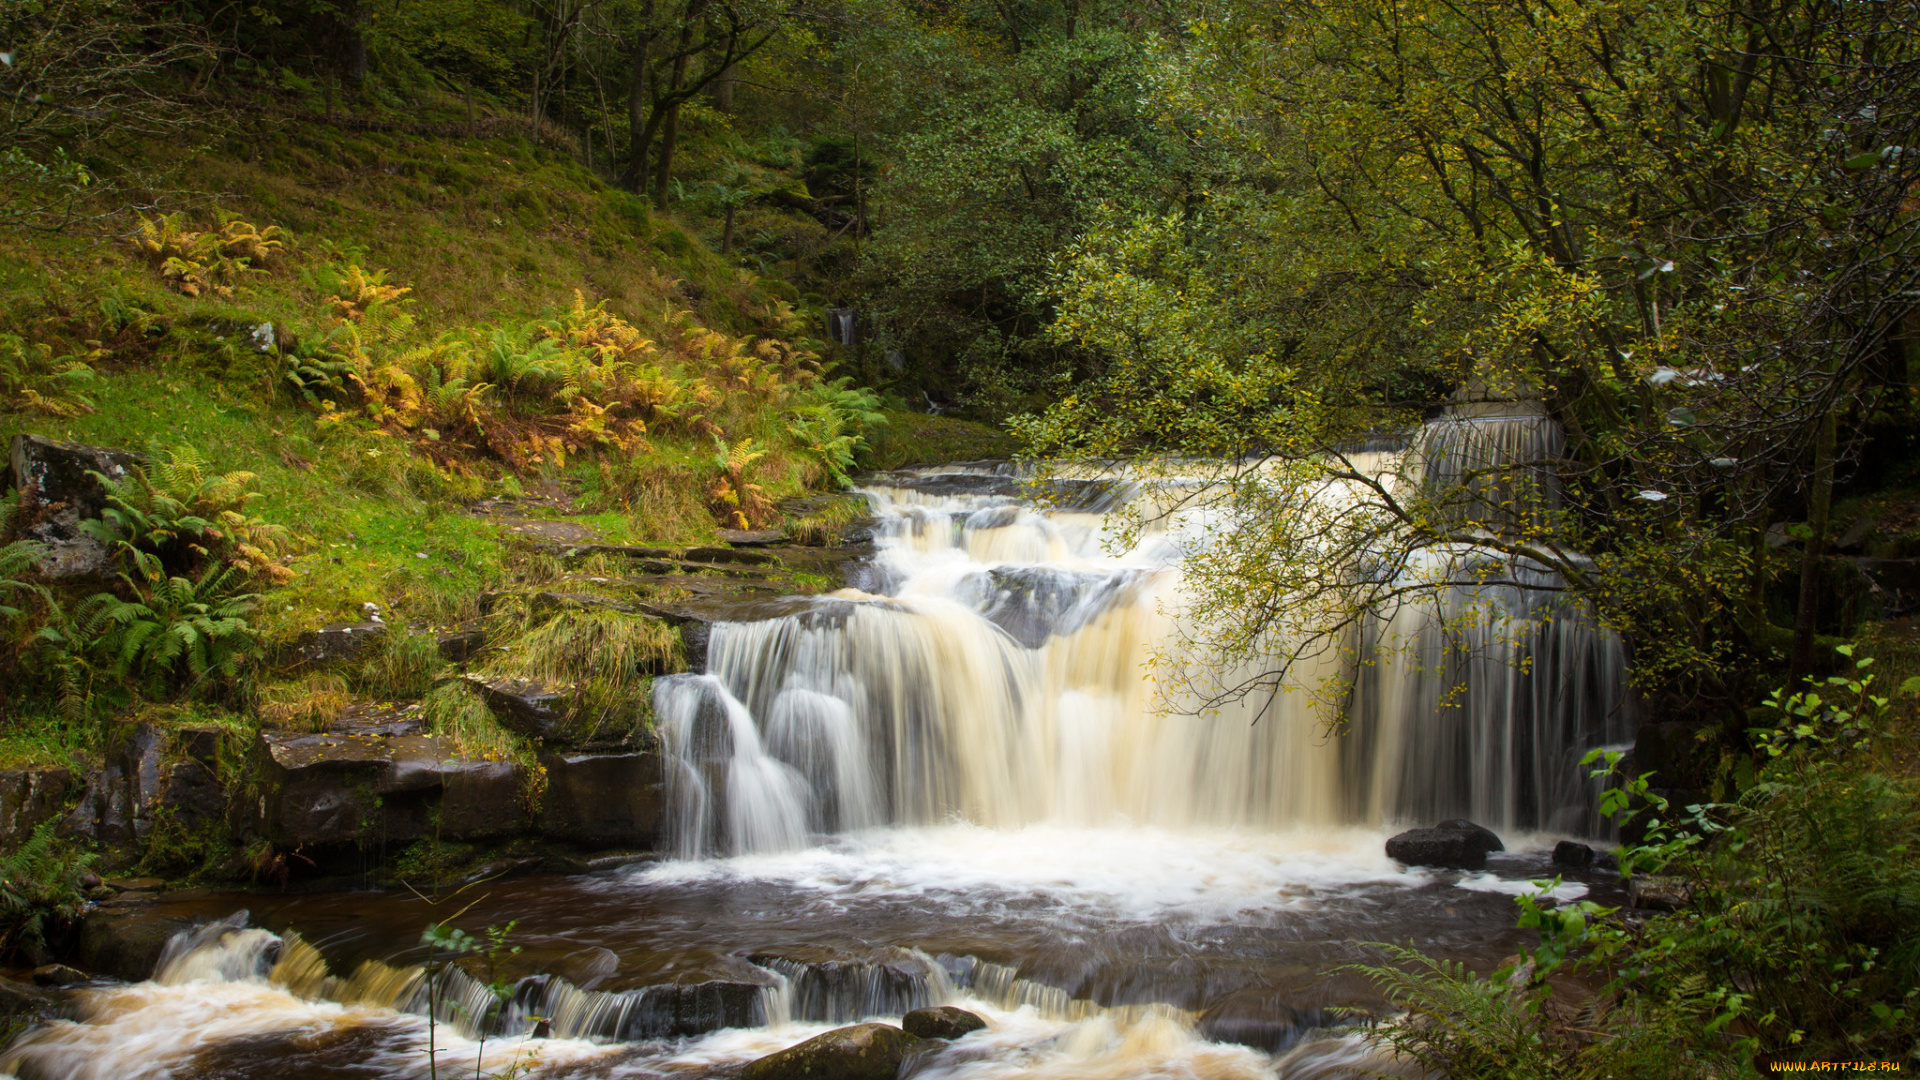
675, 50
1685, 229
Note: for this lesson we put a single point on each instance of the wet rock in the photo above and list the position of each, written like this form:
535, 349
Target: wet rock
732, 556
945, 1022
1653, 892
1262, 1019
126, 942
57, 493
120, 798
57, 975
483, 799
337, 789
689, 1009
335, 644
19, 1000
1572, 854
860, 1052
1456, 844
603, 800
29, 798
526, 707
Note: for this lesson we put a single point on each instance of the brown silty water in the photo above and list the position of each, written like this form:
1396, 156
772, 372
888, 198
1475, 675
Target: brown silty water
953, 786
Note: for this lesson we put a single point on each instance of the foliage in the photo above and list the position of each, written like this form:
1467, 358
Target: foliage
603, 658
402, 665
33, 380
175, 631
1607, 208
183, 515
829, 423
196, 263
40, 890
1801, 937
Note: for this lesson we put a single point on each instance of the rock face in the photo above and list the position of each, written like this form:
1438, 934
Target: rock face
29, 797
945, 1022
57, 494
336, 789
860, 1052
1456, 844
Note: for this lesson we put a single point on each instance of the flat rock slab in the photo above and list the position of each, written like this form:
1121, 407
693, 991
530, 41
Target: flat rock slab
549, 531
751, 537
336, 644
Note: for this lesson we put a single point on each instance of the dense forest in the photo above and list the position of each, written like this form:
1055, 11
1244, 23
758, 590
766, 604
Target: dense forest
668, 272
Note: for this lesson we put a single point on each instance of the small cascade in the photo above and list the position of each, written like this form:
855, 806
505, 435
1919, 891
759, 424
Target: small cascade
999, 675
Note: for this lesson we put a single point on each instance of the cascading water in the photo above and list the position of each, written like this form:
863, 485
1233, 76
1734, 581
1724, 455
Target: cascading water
963, 785
996, 677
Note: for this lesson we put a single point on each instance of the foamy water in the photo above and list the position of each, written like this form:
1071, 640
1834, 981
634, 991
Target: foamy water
1131, 873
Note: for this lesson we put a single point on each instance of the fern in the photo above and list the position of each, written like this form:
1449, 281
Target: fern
1459, 1024
178, 510
40, 887
34, 380
182, 628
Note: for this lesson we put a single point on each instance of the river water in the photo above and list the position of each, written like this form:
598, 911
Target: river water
960, 783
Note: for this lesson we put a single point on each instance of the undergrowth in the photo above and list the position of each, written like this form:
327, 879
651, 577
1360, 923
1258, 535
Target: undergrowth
1800, 940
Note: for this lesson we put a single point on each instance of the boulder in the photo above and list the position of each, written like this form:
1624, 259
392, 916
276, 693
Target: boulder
1456, 844
336, 644
1572, 854
29, 798
57, 975
57, 493
860, 1052
945, 1022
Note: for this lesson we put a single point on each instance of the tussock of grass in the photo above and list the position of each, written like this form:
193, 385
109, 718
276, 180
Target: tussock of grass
456, 711
306, 704
401, 665
605, 657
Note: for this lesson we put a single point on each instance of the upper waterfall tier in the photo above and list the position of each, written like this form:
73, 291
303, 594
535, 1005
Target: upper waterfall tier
1015, 666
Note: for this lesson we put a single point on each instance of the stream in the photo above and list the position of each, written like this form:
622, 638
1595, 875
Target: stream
965, 781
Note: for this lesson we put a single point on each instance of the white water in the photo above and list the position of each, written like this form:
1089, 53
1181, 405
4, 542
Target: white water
998, 676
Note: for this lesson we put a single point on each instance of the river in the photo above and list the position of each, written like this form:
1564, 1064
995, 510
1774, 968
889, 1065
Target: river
961, 782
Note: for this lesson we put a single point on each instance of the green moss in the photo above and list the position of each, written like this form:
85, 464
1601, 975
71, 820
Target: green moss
912, 438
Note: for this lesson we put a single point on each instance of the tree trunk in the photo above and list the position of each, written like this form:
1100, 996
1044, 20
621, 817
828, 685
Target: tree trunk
726, 233
723, 90
345, 43
663, 173
1820, 505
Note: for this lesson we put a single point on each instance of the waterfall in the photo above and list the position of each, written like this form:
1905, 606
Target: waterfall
998, 673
